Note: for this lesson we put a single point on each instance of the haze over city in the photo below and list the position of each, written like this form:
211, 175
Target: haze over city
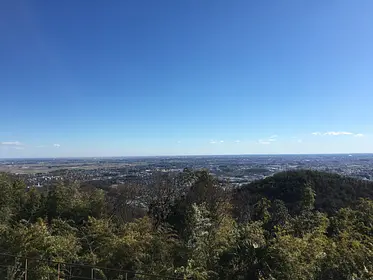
185, 78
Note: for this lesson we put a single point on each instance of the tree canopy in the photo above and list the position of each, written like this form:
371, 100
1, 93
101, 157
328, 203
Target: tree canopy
293, 225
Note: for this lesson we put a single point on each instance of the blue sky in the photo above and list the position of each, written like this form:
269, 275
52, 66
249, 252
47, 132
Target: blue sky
120, 78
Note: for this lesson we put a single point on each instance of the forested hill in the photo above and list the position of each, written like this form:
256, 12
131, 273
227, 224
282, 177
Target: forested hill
300, 225
332, 191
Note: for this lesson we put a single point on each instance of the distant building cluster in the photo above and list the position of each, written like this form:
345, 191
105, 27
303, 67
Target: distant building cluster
236, 170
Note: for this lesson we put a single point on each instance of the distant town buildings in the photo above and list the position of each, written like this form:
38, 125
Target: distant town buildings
237, 170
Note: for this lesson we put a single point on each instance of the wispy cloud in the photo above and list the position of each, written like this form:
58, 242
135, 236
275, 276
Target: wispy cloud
11, 143
216, 141
237, 141
269, 140
337, 133
56, 145
300, 141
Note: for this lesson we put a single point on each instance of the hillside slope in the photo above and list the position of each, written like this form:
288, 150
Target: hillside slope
332, 191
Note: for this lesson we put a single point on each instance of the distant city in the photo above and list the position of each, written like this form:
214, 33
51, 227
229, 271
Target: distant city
237, 170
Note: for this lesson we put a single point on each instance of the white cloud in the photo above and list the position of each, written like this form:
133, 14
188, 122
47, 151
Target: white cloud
56, 145
216, 141
237, 141
264, 142
269, 140
337, 133
12, 143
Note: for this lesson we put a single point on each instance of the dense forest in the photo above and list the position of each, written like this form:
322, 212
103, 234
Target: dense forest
293, 225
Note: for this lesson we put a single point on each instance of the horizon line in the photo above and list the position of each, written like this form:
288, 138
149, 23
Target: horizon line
175, 156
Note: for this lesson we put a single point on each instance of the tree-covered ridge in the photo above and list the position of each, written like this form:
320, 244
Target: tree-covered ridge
191, 226
333, 191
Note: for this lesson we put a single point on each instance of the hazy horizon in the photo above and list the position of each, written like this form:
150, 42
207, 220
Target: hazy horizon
179, 156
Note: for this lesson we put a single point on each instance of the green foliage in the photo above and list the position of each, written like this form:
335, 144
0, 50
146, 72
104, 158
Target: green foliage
261, 210
208, 238
294, 225
245, 258
38, 241
333, 191
11, 191
30, 205
308, 198
293, 257
351, 253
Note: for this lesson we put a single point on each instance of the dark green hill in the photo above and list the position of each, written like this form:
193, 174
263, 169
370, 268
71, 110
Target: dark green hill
332, 191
